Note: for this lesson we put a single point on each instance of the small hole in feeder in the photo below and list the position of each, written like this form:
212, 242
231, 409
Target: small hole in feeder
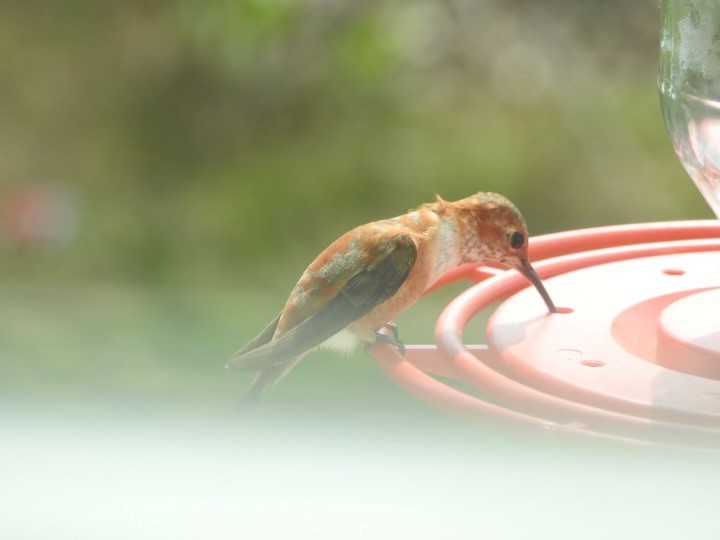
593, 363
673, 272
565, 310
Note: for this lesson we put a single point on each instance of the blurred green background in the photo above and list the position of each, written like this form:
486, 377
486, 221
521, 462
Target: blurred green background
168, 169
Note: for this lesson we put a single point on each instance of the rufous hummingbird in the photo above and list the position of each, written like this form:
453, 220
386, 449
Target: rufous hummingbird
372, 273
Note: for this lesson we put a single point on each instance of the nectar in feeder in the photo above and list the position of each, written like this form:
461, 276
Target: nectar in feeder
690, 89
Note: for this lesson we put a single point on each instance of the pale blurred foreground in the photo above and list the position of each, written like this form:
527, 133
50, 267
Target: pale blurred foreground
102, 474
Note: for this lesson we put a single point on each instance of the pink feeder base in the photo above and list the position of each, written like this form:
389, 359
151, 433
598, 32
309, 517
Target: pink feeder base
634, 353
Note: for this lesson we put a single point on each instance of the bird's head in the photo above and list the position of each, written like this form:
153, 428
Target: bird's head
494, 231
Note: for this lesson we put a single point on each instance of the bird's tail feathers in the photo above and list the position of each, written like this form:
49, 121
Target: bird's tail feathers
266, 379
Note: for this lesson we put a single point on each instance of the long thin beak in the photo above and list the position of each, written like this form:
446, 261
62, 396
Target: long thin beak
528, 271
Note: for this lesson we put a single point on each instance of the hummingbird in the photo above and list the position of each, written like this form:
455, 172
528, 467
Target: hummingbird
374, 272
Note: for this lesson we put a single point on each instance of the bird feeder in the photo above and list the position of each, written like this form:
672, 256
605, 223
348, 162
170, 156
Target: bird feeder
634, 352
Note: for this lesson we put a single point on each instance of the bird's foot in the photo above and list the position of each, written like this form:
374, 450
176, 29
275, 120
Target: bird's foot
393, 329
391, 339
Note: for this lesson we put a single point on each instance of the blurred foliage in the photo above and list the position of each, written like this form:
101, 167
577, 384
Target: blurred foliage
229, 141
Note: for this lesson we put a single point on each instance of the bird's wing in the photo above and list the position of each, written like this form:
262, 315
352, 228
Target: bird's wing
370, 286
261, 339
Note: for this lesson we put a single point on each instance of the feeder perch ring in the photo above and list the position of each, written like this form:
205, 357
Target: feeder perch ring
632, 355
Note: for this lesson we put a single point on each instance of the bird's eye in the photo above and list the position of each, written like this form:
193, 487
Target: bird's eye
517, 239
